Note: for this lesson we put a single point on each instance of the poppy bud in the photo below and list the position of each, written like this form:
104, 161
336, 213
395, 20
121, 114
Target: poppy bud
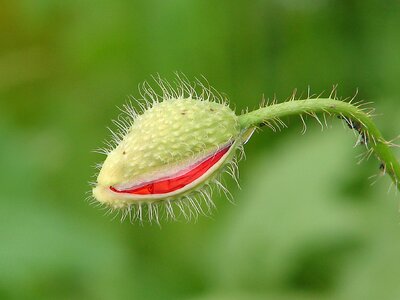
168, 155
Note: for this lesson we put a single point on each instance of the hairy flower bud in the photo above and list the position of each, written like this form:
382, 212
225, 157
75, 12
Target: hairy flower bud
169, 155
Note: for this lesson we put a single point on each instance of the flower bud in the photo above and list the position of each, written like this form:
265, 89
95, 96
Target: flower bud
169, 155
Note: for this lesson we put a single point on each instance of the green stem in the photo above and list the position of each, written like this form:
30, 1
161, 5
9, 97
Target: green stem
356, 117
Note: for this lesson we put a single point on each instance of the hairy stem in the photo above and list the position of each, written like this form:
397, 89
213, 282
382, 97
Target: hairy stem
355, 117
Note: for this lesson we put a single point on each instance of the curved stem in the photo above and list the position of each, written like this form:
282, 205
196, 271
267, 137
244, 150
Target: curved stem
355, 117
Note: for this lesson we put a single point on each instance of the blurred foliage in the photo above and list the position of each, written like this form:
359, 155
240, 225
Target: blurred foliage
307, 224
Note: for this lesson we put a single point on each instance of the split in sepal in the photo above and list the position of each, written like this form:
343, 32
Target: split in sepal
166, 160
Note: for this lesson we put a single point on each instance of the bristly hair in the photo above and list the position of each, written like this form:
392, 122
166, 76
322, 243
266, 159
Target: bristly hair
189, 205
363, 136
180, 88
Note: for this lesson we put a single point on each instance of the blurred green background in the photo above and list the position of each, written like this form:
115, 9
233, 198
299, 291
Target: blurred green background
306, 224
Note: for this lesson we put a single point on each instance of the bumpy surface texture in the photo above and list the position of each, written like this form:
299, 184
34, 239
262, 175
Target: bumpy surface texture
168, 134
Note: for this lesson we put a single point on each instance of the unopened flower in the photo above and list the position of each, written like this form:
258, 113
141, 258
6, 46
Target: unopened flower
167, 159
